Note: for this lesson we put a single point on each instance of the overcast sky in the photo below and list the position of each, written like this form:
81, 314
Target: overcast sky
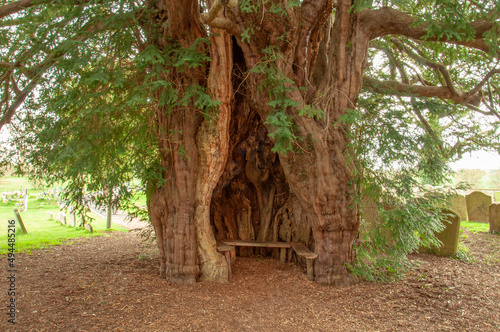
478, 160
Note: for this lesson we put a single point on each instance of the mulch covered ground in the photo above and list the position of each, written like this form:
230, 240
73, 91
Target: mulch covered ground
111, 284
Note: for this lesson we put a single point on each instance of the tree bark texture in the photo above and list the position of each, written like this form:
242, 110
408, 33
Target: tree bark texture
228, 183
329, 60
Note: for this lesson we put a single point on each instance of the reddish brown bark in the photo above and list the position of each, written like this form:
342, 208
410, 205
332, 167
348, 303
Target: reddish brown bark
318, 172
213, 148
231, 185
172, 207
252, 198
193, 153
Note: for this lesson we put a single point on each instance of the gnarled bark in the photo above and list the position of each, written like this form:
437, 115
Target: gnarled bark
213, 144
172, 207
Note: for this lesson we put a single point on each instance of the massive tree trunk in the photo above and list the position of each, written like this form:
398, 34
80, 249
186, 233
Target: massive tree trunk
228, 183
194, 152
213, 143
328, 59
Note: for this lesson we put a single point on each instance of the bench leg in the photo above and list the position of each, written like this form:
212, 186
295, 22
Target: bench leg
310, 271
233, 255
282, 255
228, 261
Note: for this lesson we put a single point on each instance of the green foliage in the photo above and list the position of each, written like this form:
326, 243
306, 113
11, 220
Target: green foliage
452, 19
463, 253
402, 226
91, 123
278, 86
312, 111
284, 108
246, 34
249, 6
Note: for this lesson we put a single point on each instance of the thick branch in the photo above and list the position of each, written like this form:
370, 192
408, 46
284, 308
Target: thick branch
314, 14
7, 64
212, 13
389, 21
483, 82
225, 24
9, 113
42, 67
401, 89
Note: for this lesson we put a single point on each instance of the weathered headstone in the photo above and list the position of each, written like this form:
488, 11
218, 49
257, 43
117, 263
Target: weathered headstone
51, 216
495, 217
72, 216
459, 205
25, 202
477, 206
450, 235
496, 196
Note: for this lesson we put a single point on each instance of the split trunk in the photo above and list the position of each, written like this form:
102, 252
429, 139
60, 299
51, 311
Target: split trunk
228, 183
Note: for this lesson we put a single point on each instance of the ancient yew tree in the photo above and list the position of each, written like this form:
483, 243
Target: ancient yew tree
255, 120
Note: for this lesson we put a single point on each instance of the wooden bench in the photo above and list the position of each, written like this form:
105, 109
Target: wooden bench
303, 251
228, 248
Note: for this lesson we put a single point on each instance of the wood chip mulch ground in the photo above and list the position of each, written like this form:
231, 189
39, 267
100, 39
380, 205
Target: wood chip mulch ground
111, 284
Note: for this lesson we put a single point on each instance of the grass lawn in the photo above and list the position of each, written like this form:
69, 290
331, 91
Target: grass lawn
475, 227
42, 232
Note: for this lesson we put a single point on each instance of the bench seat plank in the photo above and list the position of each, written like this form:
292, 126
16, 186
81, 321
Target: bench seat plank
303, 251
241, 243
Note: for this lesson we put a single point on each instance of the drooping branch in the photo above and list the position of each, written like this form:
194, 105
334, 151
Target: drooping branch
16, 7
428, 128
389, 21
34, 73
402, 89
9, 113
19, 6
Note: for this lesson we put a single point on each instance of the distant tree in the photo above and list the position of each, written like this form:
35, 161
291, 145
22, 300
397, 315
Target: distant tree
472, 177
263, 120
495, 179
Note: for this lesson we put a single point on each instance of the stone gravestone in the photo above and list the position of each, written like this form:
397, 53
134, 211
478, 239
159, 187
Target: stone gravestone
477, 206
495, 217
449, 236
25, 203
459, 205
60, 216
72, 217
